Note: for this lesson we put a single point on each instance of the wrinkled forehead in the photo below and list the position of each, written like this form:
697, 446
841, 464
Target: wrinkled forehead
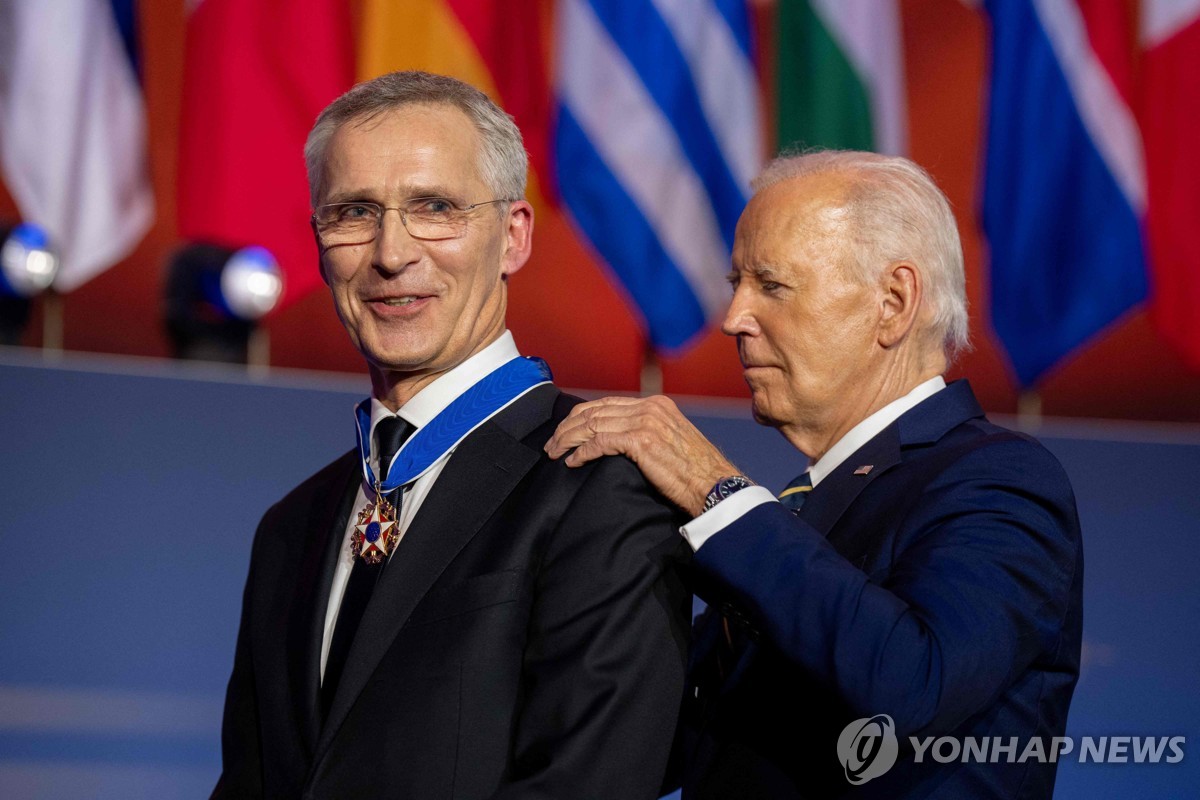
414, 147
797, 213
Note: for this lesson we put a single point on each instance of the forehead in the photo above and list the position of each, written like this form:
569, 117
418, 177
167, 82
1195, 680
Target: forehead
414, 147
799, 219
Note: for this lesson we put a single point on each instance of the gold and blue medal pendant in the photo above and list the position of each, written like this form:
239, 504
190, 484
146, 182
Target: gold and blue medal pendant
376, 532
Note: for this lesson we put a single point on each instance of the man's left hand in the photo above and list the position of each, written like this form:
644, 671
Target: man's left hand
655, 435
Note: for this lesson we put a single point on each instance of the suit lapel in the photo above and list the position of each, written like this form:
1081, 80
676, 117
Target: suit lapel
332, 509
931, 420
484, 469
924, 423
829, 500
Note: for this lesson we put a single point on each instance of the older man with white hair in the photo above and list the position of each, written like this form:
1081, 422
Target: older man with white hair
923, 577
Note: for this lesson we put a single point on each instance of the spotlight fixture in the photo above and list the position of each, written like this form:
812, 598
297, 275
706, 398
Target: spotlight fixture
214, 297
28, 265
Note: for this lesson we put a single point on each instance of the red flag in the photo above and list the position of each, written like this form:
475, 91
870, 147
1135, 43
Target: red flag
257, 74
1171, 118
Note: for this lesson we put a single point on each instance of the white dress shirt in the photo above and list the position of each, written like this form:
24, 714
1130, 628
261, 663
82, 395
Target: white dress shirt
729, 510
419, 411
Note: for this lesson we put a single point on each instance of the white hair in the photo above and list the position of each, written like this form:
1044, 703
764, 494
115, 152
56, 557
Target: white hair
503, 162
898, 214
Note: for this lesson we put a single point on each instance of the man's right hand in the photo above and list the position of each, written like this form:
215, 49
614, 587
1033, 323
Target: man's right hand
653, 433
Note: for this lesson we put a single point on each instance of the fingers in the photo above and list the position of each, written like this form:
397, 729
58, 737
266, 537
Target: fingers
671, 452
607, 415
596, 447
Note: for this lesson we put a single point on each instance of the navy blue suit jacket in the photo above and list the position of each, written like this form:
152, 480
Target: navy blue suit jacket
943, 588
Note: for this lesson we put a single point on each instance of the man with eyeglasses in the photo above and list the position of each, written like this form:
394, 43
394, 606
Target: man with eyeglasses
444, 611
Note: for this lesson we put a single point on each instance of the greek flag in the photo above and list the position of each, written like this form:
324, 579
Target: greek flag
658, 137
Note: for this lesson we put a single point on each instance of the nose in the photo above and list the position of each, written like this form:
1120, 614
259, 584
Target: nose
395, 248
739, 318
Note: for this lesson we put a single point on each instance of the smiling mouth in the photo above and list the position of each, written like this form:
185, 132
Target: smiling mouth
397, 300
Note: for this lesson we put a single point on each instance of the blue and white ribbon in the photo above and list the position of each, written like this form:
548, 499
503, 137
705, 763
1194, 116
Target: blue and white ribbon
488, 397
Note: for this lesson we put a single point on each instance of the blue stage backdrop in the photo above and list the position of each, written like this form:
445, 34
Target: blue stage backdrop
131, 491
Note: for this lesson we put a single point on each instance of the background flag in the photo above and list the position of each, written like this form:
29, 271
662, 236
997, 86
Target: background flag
841, 75
73, 138
1170, 34
1065, 185
257, 73
480, 42
658, 137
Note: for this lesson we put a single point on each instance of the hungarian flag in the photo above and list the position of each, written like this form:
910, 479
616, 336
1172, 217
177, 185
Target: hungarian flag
841, 75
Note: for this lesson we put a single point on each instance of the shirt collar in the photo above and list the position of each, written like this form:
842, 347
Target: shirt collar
430, 401
870, 427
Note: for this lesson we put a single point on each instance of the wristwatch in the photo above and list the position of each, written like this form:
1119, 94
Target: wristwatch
725, 487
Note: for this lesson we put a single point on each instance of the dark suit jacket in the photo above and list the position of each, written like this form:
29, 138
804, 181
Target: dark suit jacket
527, 638
942, 588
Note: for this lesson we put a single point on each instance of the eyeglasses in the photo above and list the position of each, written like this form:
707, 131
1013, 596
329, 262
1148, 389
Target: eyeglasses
430, 218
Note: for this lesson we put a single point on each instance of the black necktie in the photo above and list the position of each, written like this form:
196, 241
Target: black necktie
796, 493
391, 433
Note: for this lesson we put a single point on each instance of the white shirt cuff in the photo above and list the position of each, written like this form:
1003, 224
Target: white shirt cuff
723, 514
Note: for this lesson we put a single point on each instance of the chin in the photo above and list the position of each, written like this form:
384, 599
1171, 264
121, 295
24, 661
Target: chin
395, 359
762, 414
400, 352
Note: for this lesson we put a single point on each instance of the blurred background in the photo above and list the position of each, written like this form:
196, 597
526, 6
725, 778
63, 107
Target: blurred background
154, 222
1063, 141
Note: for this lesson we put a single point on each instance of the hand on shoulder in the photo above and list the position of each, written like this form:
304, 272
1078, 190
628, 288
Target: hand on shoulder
653, 433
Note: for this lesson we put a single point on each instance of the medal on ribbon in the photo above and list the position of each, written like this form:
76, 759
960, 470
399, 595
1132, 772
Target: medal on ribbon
377, 530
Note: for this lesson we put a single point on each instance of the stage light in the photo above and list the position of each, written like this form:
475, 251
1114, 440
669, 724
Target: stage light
28, 265
214, 297
27, 262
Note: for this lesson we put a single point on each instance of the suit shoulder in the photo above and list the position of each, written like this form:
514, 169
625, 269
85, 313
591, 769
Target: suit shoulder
563, 404
611, 474
535, 421
997, 442
981, 449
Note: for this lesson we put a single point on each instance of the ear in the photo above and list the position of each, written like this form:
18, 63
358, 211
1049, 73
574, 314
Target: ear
518, 237
902, 292
312, 223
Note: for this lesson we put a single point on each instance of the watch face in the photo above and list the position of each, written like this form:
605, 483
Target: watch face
724, 488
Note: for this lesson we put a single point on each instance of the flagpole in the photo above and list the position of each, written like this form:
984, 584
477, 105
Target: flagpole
652, 377
52, 324
258, 352
1029, 410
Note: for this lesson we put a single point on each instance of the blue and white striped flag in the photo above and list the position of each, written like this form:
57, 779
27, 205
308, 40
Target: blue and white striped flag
658, 137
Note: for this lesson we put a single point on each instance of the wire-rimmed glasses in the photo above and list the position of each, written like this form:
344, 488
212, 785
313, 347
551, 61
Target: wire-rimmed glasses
430, 218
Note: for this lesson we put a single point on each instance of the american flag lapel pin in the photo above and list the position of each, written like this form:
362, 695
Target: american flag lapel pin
865, 469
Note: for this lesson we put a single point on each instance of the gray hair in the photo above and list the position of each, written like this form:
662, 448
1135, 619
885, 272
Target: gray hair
898, 214
503, 162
